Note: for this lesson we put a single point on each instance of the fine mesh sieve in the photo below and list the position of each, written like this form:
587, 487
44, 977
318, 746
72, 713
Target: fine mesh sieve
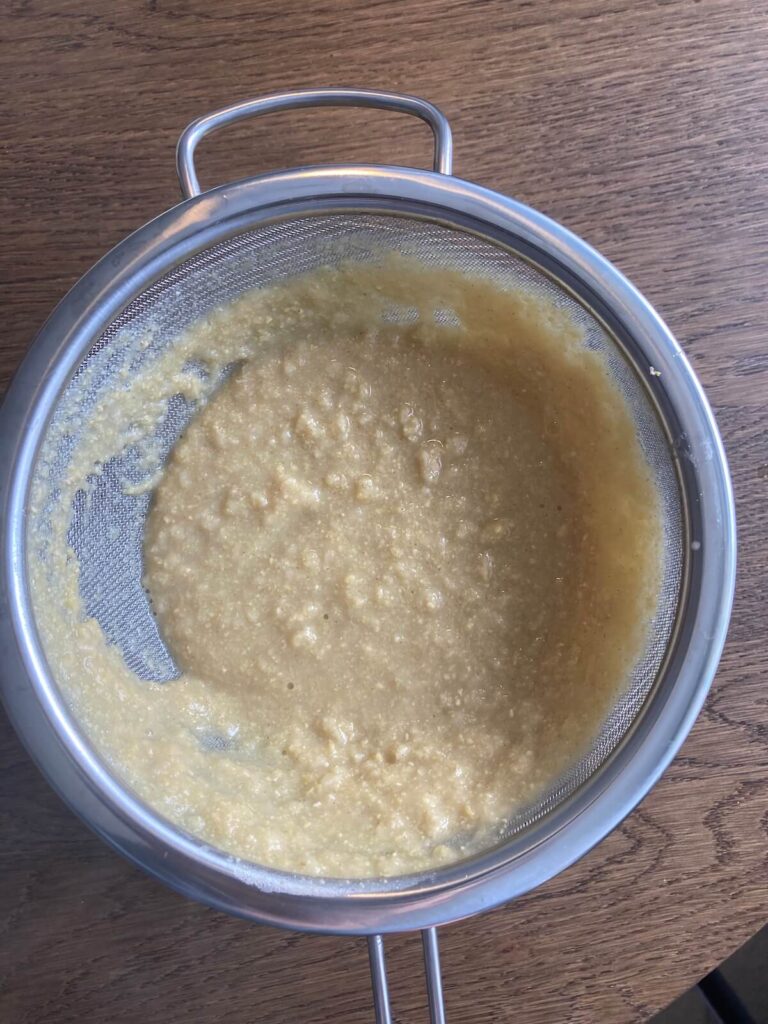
106, 531
137, 303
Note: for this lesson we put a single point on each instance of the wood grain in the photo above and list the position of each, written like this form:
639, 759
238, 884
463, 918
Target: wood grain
642, 127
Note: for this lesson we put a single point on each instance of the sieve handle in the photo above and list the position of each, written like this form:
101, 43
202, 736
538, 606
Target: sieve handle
185, 151
381, 1005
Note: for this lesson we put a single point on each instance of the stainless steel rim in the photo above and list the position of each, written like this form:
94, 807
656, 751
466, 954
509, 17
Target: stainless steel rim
551, 845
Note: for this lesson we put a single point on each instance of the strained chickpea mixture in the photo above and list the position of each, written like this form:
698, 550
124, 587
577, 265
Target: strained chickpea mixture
404, 557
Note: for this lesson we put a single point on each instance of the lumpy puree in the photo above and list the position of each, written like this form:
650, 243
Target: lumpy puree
404, 558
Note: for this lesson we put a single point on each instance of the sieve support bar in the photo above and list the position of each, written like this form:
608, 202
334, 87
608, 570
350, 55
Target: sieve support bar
434, 976
379, 980
381, 1005
414, 105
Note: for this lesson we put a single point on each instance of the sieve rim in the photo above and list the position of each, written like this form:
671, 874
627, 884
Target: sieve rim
560, 837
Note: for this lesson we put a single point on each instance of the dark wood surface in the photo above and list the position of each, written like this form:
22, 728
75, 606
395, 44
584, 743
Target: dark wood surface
643, 127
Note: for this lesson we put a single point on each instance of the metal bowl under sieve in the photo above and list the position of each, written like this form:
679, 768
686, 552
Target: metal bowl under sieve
212, 248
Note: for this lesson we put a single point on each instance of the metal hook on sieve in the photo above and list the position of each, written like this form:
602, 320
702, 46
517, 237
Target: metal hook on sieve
431, 969
414, 105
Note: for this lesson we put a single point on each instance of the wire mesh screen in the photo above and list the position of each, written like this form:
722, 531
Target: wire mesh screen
106, 532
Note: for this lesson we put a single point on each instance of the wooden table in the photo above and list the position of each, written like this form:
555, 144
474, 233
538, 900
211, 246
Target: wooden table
642, 126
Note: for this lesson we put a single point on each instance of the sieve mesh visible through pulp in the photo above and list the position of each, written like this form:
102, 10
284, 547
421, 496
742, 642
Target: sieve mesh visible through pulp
106, 530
